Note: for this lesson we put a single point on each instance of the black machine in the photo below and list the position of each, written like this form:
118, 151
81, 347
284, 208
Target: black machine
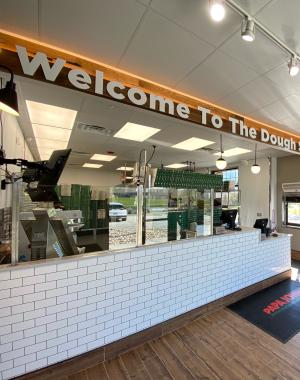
262, 225
47, 178
46, 173
228, 217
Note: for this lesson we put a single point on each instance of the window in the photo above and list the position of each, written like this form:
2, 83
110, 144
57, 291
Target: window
230, 175
292, 213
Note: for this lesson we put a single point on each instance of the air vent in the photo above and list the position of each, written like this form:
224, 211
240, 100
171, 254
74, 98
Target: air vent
94, 129
207, 150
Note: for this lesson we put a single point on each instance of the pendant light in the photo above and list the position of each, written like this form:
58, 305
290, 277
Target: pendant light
221, 163
255, 168
8, 96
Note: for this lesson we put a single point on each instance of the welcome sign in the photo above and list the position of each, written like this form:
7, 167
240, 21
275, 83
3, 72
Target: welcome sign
58, 70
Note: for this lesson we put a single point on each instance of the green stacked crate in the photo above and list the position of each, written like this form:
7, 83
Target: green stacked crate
75, 197
85, 197
93, 213
217, 215
103, 212
65, 196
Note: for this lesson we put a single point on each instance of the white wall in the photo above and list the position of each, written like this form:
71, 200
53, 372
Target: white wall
254, 192
15, 146
93, 177
52, 311
287, 171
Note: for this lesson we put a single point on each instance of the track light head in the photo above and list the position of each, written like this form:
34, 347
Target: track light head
248, 30
217, 10
293, 66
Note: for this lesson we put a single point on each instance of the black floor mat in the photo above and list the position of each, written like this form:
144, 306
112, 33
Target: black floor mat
275, 310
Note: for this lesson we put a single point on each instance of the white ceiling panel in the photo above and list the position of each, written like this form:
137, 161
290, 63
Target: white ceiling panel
280, 75
20, 17
98, 29
282, 17
194, 16
261, 55
163, 51
252, 96
253, 6
291, 124
218, 76
283, 109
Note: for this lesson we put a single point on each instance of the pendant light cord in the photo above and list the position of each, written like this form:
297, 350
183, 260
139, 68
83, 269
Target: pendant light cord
221, 146
255, 154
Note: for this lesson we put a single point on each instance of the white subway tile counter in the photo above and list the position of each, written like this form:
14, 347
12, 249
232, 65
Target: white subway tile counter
57, 309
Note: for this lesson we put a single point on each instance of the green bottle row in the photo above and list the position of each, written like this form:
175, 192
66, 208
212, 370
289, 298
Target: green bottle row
187, 180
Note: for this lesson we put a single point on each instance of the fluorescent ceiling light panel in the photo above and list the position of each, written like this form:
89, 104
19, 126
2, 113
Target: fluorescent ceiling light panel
233, 152
50, 133
103, 157
136, 132
46, 114
127, 168
51, 144
192, 144
176, 166
93, 166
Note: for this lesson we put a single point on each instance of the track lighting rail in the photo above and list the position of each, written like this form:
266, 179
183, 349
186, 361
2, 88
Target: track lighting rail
241, 11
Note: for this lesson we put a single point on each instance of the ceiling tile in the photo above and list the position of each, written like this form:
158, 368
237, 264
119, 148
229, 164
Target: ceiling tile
252, 96
280, 75
20, 17
261, 55
217, 76
98, 29
194, 16
291, 124
163, 51
282, 18
253, 6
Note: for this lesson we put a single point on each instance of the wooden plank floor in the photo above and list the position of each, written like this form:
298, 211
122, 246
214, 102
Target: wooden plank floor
220, 346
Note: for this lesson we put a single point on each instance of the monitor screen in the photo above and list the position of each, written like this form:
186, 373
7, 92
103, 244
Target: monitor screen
261, 224
228, 217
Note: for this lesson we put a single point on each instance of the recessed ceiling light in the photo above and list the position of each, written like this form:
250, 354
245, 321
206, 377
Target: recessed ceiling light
46, 114
233, 152
50, 133
93, 166
51, 144
192, 144
103, 157
217, 10
136, 132
127, 168
176, 166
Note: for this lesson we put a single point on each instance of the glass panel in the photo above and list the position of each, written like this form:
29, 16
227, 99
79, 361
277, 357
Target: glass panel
175, 214
85, 219
293, 213
5, 222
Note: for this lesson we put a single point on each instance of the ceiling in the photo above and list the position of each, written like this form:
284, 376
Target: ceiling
175, 43
112, 116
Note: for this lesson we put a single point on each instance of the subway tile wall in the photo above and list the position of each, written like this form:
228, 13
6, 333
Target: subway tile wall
52, 312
